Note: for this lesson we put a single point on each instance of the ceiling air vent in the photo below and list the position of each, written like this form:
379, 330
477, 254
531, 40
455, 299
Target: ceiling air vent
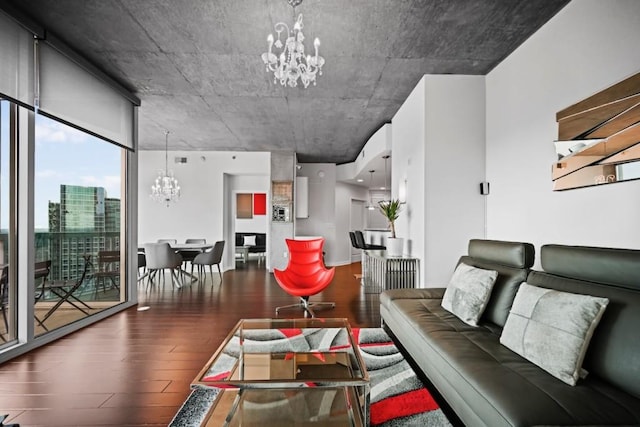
181, 160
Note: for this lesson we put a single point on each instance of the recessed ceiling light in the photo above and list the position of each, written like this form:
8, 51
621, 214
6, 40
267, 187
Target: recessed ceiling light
360, 180
383, 188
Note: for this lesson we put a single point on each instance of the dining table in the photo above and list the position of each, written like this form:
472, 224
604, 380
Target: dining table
202, 247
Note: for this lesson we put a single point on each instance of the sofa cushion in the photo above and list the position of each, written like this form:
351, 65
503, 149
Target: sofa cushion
249, 241
468, 292
552, 329
613, 352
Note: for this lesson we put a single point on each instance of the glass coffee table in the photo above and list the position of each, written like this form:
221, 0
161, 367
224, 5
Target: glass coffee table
274, 372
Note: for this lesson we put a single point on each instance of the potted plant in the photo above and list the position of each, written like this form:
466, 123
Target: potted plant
391, 210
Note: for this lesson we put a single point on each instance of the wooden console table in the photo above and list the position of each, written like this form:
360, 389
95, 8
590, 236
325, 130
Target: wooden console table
381, 272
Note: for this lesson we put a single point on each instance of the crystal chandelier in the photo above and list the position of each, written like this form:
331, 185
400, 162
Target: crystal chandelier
166, 188
291, 64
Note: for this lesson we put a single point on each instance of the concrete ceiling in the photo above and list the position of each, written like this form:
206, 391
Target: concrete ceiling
196, 66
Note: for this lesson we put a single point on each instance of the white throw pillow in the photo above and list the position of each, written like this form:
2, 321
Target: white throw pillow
249, 241
468, 292
552, 329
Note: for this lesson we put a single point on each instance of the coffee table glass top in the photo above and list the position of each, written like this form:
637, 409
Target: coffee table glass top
286, 353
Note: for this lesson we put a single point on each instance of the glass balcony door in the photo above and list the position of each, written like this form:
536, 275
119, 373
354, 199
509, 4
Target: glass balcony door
77, 217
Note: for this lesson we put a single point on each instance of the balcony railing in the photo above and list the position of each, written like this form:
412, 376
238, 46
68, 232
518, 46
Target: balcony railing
68, 252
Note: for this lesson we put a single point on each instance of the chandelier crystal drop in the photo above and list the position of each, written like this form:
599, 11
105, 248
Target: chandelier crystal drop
165, 188
291, 64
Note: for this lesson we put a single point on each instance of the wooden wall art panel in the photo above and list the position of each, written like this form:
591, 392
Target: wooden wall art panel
599, 138
244, 205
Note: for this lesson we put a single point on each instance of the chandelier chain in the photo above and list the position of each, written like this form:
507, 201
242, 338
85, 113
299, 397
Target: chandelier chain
371, 207
290, 64
166, 149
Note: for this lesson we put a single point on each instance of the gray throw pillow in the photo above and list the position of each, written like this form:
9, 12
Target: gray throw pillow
468, 292
552, 329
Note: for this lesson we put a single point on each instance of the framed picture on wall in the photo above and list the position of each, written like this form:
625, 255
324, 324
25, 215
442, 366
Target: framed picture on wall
259, 204
244, 205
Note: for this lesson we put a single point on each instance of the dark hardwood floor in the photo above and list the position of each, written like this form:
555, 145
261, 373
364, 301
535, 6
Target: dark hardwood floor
135, 367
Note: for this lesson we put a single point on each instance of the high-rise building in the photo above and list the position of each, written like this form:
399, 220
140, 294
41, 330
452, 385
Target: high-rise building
112, 215
82, 208
84, 222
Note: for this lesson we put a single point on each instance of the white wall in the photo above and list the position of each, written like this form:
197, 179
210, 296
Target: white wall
328, 211
408, 164
199, 212
588, 46
455, 153
438, 150
344, 194
321, 220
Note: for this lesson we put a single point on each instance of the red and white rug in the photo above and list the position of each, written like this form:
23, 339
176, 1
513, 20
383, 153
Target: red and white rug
397, 396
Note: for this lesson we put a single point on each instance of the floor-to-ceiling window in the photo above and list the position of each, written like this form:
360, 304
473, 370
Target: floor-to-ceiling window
77, 225
7, 284
67, 142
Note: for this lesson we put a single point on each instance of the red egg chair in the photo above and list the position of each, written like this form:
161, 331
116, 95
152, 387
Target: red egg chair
305, 275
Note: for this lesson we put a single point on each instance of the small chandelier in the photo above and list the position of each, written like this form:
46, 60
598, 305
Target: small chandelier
166, 188
291, 64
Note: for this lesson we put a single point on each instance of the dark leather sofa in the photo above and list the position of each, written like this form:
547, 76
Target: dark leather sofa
485, 383
261, 242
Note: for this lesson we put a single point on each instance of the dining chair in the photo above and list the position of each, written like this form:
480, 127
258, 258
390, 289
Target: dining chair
161, 256
210, 258
196, 241
169, 241
142, 264
188, 255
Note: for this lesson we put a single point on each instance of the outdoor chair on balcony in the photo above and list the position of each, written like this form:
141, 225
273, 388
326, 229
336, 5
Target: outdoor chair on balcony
4, 298
65, 291
108, 269
41, 272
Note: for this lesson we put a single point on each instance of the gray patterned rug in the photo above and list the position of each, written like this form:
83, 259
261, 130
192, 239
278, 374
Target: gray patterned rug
398, 397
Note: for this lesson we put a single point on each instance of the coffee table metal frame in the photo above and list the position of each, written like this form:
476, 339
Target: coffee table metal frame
263, 371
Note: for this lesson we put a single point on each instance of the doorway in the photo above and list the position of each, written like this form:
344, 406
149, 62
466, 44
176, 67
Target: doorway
246, 222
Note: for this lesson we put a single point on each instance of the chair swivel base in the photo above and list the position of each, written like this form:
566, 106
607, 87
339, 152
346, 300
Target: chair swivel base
307, 306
